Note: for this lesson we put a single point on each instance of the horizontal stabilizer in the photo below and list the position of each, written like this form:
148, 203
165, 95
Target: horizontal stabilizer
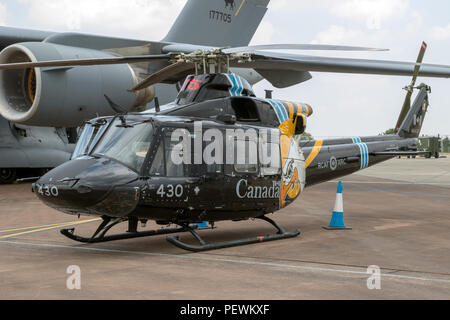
399, 153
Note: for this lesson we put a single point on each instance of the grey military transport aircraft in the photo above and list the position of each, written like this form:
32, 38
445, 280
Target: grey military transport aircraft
168, 164
36, 104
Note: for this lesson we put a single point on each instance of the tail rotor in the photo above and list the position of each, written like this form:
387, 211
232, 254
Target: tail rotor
410, 89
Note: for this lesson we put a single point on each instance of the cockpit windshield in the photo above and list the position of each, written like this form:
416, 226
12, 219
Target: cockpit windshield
89, 137
127, 143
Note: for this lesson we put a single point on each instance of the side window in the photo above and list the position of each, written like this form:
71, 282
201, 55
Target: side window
270, 158
173, 170
158, 168
247, 157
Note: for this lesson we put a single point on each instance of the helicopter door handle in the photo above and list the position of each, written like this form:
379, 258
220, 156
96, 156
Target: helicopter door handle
193, 181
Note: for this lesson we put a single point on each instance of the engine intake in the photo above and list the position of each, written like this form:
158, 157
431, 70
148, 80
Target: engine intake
64, 96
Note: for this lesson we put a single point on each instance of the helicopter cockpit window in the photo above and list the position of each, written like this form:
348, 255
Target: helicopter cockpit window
158, 166
173, 170
126, 144
163, 164
89, 137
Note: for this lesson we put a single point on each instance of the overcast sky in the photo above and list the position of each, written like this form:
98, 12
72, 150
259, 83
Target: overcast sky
344, 105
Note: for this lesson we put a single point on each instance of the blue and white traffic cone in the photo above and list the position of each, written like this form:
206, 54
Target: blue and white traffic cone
337, 220
203, 225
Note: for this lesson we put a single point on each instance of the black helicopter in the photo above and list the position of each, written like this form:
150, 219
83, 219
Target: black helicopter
204, 156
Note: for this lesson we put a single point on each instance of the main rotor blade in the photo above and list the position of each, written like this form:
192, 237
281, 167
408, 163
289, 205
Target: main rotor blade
321, 47
86, 62
163, 74
281, 61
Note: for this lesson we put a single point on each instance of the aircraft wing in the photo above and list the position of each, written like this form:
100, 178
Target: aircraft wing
9, 36
293, 62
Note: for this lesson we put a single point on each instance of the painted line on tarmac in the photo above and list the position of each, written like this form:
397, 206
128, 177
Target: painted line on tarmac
36, 227
406, 183
68, 224
234, 261
358, 185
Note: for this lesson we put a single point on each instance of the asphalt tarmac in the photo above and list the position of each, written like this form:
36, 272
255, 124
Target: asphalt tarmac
399, 212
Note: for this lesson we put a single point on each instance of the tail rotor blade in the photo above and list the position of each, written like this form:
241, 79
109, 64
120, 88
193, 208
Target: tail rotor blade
407, 104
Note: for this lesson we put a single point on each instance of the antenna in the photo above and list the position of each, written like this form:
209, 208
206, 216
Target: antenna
157, 106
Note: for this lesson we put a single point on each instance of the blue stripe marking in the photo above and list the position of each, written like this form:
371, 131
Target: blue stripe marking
286, 113
356, 140
241, 86
367, 155
364, 149
362, 156
283, 111
277, 110
234, 85
231, 82
238, 88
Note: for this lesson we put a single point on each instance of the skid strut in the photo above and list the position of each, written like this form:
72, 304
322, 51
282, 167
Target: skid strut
108, 224
282, 234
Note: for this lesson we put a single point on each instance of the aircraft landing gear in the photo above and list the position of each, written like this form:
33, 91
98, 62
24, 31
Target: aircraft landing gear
108, 223
282, 234
7, 176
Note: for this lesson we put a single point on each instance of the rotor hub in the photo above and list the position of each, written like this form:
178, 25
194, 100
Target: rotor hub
212, 61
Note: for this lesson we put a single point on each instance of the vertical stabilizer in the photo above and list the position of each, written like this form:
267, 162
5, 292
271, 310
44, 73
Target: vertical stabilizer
412, 125
218, 23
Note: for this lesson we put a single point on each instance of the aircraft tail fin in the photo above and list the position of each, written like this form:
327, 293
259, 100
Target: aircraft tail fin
412, 124
218, 23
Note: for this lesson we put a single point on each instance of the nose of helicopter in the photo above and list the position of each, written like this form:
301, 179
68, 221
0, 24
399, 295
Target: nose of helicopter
95, 186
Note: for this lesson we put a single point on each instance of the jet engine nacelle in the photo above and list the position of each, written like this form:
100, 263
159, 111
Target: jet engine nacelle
64, 96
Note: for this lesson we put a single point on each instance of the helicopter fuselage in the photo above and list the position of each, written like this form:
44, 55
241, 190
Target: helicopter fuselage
218, 153
151, 187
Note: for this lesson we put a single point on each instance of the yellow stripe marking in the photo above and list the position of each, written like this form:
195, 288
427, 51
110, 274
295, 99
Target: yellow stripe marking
314, 153
48, 228
240, 7
35, 227
291, 110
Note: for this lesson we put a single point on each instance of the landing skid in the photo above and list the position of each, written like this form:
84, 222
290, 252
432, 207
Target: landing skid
100, 235
282, 234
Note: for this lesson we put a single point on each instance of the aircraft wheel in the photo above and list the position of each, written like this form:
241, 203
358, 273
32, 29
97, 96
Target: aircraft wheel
428, 155
437, 155
7, 176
